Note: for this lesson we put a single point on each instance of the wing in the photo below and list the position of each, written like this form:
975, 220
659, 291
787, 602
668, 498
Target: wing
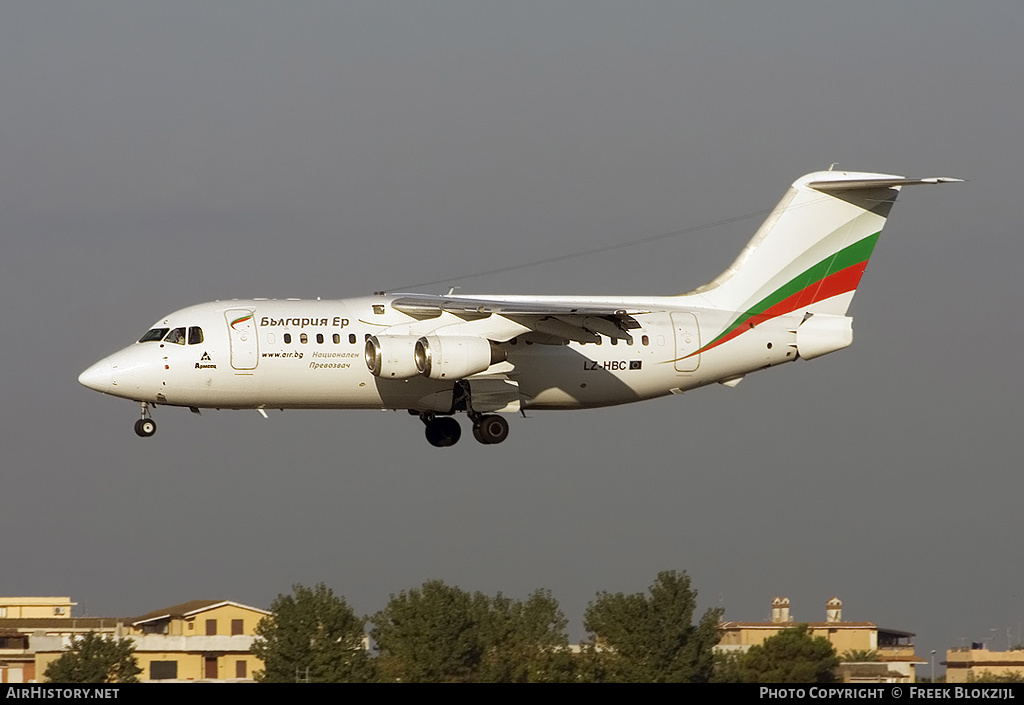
563, 319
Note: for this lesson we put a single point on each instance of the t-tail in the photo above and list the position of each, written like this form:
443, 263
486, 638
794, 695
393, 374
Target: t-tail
809, 255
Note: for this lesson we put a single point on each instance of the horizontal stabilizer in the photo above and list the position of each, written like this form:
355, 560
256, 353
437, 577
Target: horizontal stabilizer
850, 185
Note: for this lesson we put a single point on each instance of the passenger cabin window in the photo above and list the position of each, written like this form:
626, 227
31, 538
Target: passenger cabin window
287, 338
320, 338
337, 338
195, 335
303, 338
176, 336
153, 334
351, 337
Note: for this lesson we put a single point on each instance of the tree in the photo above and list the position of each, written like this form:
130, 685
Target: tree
94, 658
860, 656
525, 642
441, 633
653, 638
430, 635
791, 656
313, 635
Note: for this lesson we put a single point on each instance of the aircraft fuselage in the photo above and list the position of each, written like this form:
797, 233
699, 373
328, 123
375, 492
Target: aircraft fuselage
309, 354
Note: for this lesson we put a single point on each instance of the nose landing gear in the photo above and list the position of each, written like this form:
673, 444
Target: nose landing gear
146, 426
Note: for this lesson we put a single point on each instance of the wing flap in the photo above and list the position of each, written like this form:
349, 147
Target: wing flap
566, 320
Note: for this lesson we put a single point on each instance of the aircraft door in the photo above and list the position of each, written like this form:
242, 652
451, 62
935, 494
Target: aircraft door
687, 337
242, 334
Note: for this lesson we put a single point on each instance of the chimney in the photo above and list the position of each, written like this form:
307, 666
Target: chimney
834, 610
780, 610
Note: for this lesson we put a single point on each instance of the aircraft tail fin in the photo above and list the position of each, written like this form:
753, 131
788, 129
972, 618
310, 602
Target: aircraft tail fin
811, 251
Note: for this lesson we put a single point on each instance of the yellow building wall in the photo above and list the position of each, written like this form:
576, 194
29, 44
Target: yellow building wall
34, 607
843, 639
224, 615
963, 666
195, 625
192, 665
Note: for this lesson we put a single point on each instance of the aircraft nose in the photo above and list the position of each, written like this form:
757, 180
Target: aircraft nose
98, 377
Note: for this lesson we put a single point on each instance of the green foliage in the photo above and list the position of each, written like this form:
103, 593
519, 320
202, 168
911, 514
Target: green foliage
791, 656
860, 656
990, 677
312, 630
440, 633
525, 642
93, 658
651, 639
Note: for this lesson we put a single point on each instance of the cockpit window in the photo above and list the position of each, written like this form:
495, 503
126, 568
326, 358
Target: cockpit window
176, 336
153, 334
195, 335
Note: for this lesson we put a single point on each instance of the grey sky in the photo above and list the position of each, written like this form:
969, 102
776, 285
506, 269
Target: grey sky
156, 155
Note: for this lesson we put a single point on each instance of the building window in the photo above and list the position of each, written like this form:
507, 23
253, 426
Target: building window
163, 670
236, 627
240, 670
211, 627
156, 627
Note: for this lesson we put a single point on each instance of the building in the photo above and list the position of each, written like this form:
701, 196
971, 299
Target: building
965, 665
18, 607
22, 619
192, 641
895, 658
198, 640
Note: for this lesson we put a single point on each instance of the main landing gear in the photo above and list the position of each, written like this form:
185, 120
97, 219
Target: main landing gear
490, 429
445, 431
146, 426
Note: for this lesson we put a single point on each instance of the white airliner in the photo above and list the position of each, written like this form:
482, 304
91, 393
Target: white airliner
785, 297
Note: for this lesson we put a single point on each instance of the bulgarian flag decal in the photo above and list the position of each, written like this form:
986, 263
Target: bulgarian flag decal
832, 276
243, 319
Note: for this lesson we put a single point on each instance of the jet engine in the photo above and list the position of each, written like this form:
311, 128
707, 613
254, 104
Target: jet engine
455, 357
392, 356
